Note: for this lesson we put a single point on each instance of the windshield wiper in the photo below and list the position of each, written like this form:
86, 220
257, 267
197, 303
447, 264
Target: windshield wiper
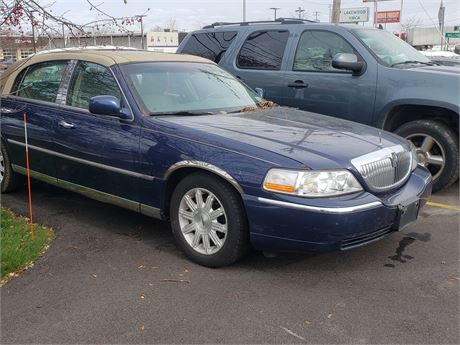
183, 113
412, 62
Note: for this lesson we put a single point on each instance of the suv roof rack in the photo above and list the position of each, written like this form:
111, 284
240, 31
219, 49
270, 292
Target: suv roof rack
277, 21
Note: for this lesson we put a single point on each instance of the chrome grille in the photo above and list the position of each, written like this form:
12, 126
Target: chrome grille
384, 169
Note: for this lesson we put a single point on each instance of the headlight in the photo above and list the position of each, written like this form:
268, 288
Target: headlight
413, 153
312, 184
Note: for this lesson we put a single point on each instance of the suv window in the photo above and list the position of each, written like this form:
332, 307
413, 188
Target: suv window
263, 50
91, 80
316, 50
41, 81
211, 45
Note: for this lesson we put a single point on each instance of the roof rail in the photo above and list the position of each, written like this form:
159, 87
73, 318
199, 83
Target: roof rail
277, 21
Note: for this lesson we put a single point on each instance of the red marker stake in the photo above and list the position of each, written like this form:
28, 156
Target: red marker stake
28, 179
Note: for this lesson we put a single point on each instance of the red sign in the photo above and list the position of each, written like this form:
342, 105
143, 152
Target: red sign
384, 17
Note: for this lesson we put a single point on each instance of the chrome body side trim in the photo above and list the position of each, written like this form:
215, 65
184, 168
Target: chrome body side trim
93, 193
204, 166
35, 174
150, 211
84, 161
334, 210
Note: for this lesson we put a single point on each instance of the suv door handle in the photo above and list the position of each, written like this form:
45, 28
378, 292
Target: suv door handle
67, 125
298, 84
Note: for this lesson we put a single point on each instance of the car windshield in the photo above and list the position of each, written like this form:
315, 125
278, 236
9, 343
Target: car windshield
187, 88
391, 50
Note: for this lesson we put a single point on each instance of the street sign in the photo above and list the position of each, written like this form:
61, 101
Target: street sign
384, 17
452, 34
457, 28
354, 15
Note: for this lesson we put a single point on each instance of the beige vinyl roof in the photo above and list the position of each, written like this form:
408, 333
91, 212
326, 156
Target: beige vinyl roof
103, 57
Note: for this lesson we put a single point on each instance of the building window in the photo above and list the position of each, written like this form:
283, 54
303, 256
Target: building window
25, 53
9, 55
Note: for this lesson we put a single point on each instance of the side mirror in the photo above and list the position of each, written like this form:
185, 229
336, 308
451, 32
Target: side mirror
348, 62
107, 105
260, 92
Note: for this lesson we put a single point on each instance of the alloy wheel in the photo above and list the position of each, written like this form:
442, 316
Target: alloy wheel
203, 221
430, 153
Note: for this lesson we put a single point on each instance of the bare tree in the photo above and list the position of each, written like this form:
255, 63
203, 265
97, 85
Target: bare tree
410, 23
19, 17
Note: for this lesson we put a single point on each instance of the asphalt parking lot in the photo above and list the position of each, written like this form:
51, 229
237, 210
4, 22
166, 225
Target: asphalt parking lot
113, 276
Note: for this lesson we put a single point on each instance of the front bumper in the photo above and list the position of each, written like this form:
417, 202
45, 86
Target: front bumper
283, 222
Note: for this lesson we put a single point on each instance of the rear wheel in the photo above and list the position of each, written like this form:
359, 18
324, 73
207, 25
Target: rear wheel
10, 180
437, 149
208, 220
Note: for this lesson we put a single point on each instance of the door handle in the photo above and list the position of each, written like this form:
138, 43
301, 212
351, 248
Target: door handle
67, 125
298, 84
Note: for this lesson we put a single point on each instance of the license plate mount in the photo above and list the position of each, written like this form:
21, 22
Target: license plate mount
407, 214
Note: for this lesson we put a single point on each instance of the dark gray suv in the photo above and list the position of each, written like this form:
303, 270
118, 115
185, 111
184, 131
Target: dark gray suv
356, 73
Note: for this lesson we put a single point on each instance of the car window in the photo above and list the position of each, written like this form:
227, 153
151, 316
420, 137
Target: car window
41, 81
91, 80
263, 50
210, 45
316, 50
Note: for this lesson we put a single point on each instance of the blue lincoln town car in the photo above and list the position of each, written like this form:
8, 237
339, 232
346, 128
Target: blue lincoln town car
178, 138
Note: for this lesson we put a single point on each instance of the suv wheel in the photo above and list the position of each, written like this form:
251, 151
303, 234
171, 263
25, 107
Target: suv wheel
9, 180
437, 149
208, 220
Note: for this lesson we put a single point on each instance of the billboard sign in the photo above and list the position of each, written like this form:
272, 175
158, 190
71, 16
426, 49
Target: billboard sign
384, 17
354, 15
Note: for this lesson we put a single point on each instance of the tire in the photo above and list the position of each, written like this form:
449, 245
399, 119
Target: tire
10, 181
198, 232
441, 141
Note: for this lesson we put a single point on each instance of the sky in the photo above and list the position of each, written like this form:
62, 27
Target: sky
193, 14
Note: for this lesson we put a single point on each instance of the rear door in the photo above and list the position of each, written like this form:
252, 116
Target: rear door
314, 85
96, 151
34, 92
260, 61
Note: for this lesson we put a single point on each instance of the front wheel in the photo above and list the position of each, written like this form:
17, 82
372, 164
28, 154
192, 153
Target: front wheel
437, 149
208, 220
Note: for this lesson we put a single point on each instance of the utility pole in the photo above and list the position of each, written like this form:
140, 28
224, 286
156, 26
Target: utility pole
400, 18
441, 13
244, 10
300, 11
275, 9
336, 11
316, 14
63, 35
140, 18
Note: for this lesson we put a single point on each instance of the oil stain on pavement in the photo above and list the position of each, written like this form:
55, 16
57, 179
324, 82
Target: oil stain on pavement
404, 243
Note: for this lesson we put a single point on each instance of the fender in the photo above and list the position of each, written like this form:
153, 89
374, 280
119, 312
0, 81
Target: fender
204, 166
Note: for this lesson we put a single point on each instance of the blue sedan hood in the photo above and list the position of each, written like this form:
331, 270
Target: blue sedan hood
314, 140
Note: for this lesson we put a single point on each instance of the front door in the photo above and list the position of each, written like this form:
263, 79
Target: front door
96, 153
314, 85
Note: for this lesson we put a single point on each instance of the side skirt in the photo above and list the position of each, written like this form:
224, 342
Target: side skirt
92, 193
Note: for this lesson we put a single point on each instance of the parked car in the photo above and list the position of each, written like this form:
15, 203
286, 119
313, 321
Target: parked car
360, 74
176, 137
